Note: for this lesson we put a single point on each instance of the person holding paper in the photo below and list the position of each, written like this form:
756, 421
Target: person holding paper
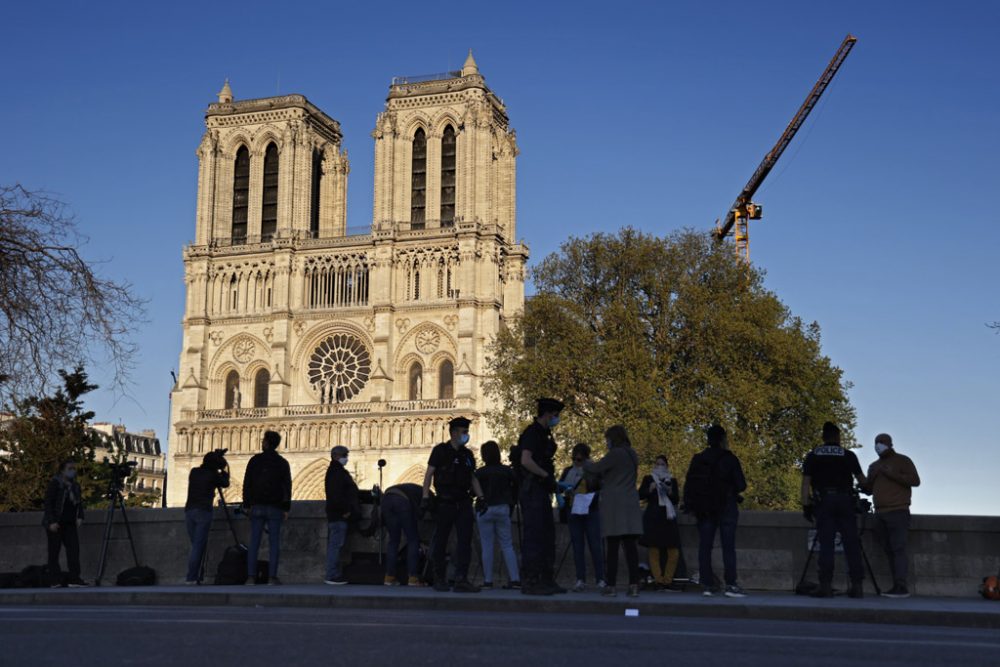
584, 518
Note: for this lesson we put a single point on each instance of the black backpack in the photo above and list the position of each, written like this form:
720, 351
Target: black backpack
140, 575
705, 493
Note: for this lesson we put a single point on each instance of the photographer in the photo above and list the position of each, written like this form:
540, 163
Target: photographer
342, 506
827, 496
891, 479
212, 474
62, 516
267, 493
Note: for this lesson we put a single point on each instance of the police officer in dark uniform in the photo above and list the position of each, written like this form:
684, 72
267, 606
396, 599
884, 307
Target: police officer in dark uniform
827, 496
534, 461
452, 468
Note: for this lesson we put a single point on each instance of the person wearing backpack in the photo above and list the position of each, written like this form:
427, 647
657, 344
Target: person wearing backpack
712, 491
267, 494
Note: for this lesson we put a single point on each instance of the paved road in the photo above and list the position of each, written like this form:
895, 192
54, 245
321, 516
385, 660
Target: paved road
281, 637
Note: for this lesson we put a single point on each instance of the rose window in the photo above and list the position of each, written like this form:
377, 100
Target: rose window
339, 368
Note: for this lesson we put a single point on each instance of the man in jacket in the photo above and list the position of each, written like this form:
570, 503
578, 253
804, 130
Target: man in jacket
718, 472
891, 479
212, 474
62, 516
535, 460
341, 508
267, 492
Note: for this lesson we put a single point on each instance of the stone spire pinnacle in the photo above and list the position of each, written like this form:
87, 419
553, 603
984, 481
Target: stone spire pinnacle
470, 67
226, 94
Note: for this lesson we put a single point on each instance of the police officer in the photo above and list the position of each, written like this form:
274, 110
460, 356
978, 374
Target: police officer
536, 451
452, 468
827, 497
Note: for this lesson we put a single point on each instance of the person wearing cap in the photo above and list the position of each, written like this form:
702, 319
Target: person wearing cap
535, 461
891, 479
342, 505
827, 496
452, 468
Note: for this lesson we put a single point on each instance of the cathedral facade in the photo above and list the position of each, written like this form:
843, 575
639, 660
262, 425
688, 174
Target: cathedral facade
371, 338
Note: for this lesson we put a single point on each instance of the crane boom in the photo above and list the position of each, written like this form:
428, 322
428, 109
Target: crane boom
742, 202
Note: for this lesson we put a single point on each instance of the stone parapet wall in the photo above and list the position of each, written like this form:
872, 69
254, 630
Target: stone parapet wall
949, 555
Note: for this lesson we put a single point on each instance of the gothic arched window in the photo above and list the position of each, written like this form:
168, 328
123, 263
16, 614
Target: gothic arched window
448, 154
232, 390
241, 194
260, 384
317, 175
269, 198
418, 180
446, 379
416, 377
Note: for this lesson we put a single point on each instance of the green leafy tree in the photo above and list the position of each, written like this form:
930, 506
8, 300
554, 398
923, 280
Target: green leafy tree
667, 336
42, 432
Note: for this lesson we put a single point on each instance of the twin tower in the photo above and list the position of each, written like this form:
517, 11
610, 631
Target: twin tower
371, 338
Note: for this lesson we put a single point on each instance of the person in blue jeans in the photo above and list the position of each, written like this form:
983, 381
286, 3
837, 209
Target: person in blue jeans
341, 508
499, 490
712, 492
583, 517
267, 492
212, 474
401, 516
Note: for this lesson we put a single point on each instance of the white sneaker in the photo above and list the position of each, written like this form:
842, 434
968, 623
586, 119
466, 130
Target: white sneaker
734, 591
579, 587
602, 584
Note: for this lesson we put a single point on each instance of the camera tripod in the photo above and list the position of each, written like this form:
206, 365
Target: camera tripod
802, 589
117, 501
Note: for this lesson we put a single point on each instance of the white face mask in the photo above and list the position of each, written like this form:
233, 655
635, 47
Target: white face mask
660, 469
881, 448
343, 461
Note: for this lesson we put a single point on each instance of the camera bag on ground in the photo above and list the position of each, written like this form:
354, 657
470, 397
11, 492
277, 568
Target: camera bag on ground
232, 569
140, 575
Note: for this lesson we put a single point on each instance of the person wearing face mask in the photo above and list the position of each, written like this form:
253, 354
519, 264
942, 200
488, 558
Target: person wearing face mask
62, 517
583, 518
341, 507
536, 450
660, 533
452, 468
891, 479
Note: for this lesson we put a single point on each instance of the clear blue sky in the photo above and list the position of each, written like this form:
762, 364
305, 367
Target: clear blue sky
880, 220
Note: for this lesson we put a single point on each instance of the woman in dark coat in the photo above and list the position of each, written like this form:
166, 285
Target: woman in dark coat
659, 523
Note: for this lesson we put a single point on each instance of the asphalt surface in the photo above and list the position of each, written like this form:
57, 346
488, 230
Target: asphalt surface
248, 637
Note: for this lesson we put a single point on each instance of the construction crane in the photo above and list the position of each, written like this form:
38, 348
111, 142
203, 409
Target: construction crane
743, 209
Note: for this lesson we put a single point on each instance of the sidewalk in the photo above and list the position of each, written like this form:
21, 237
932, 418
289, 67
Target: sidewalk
969, 612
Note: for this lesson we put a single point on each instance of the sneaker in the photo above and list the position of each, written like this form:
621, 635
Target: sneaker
673, 588
487, 586
897, 591
694, 579
77, 582
734, 591
414, 582
336, 581
710, 592
273, 581
513, 586
188, 582
390, 581
601, 584
856, 591
536, 589
633, 590
579, 587
824, 591
609, 592
250, 582
465, 586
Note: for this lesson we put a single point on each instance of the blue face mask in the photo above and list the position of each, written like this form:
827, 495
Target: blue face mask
463, 439
554, 422
69, 474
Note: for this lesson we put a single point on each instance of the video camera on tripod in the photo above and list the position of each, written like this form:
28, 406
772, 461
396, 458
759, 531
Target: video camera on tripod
120, 471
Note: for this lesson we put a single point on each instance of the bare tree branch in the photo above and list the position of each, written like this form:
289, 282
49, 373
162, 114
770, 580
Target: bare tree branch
56, 311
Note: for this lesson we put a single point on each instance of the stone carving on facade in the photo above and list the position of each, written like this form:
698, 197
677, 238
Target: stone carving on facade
450, 321
402, 324
299, 327
216, 337
269, 334
370, 323
243, 350
428, 340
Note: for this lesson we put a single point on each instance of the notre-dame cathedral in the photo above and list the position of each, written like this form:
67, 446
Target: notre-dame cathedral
371, 338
